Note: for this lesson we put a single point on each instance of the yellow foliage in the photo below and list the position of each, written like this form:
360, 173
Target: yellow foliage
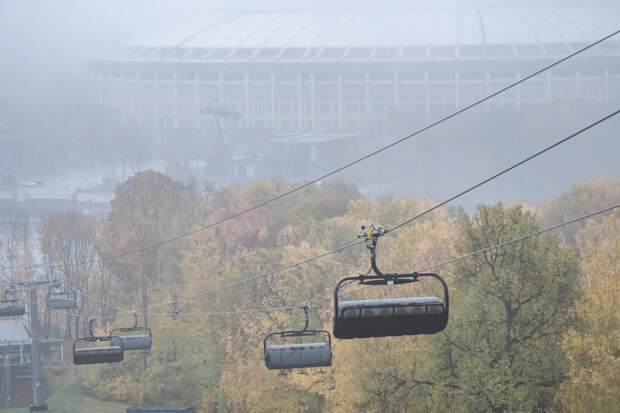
592, 348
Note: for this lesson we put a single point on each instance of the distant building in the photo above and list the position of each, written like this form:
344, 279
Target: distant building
334, 71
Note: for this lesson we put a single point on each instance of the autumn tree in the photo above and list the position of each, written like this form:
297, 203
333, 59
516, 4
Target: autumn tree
510, 307
15, 242
592, 346
67, 243
146, 210
382, 374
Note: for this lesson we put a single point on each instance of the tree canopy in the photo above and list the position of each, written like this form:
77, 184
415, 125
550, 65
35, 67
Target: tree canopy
533, 325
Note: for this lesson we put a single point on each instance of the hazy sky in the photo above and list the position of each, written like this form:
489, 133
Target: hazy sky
41, 38
44, 43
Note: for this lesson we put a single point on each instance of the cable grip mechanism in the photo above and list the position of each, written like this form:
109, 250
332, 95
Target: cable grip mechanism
371, 235
306, 305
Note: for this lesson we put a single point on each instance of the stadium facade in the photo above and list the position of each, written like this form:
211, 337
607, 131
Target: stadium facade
309, 71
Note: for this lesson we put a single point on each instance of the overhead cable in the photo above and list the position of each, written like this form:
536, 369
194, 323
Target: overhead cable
502, 172
356, 161
423, 269
373, 153
396, 227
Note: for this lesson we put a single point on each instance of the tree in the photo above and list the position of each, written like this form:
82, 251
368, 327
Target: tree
592, 346
15, 238
146, 210
595, 193
500, 352
382, 375
67, 242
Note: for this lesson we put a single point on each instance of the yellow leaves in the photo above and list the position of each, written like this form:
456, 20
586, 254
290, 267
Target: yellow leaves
592, 348
387, 211
217, 362
425, 242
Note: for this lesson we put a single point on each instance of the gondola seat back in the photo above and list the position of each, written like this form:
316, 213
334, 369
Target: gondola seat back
133, 342
12, 308
389, 317
305, 355
98, 355
61, 303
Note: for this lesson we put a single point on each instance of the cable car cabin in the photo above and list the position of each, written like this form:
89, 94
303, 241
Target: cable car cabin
61, 303
133, 338
95, 354
12, 308
301, 355
390, 317
291, 356
133, 342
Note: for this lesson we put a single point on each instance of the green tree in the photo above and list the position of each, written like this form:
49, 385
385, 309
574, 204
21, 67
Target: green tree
501, 351
508, 311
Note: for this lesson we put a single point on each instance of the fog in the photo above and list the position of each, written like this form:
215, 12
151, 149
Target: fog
130, 129
60, 140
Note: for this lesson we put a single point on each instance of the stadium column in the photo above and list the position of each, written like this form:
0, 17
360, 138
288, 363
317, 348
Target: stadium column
272, 84
299, 103
138, 99
427, 97
367, 95
175, 103
457, 89
397, 91
221, 88
312, 103
518, 92
487, 83
124, 105
196, 115
548, 88
340, 101
246, 89
606, 86
156, 100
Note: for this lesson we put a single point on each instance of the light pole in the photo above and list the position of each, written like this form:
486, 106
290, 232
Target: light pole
221, 112
33, 287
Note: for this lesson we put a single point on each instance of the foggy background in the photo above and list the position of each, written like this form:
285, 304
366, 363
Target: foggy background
57, 141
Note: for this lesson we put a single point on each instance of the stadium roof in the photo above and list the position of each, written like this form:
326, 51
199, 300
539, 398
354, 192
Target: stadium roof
407, 33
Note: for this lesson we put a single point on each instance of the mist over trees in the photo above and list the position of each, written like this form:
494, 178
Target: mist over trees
122, 141
532, 325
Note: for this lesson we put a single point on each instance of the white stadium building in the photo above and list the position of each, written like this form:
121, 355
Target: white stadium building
336, 71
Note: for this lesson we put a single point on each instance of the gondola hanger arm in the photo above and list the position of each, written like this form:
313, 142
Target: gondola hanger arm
306, 305
90, 327
371, 235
